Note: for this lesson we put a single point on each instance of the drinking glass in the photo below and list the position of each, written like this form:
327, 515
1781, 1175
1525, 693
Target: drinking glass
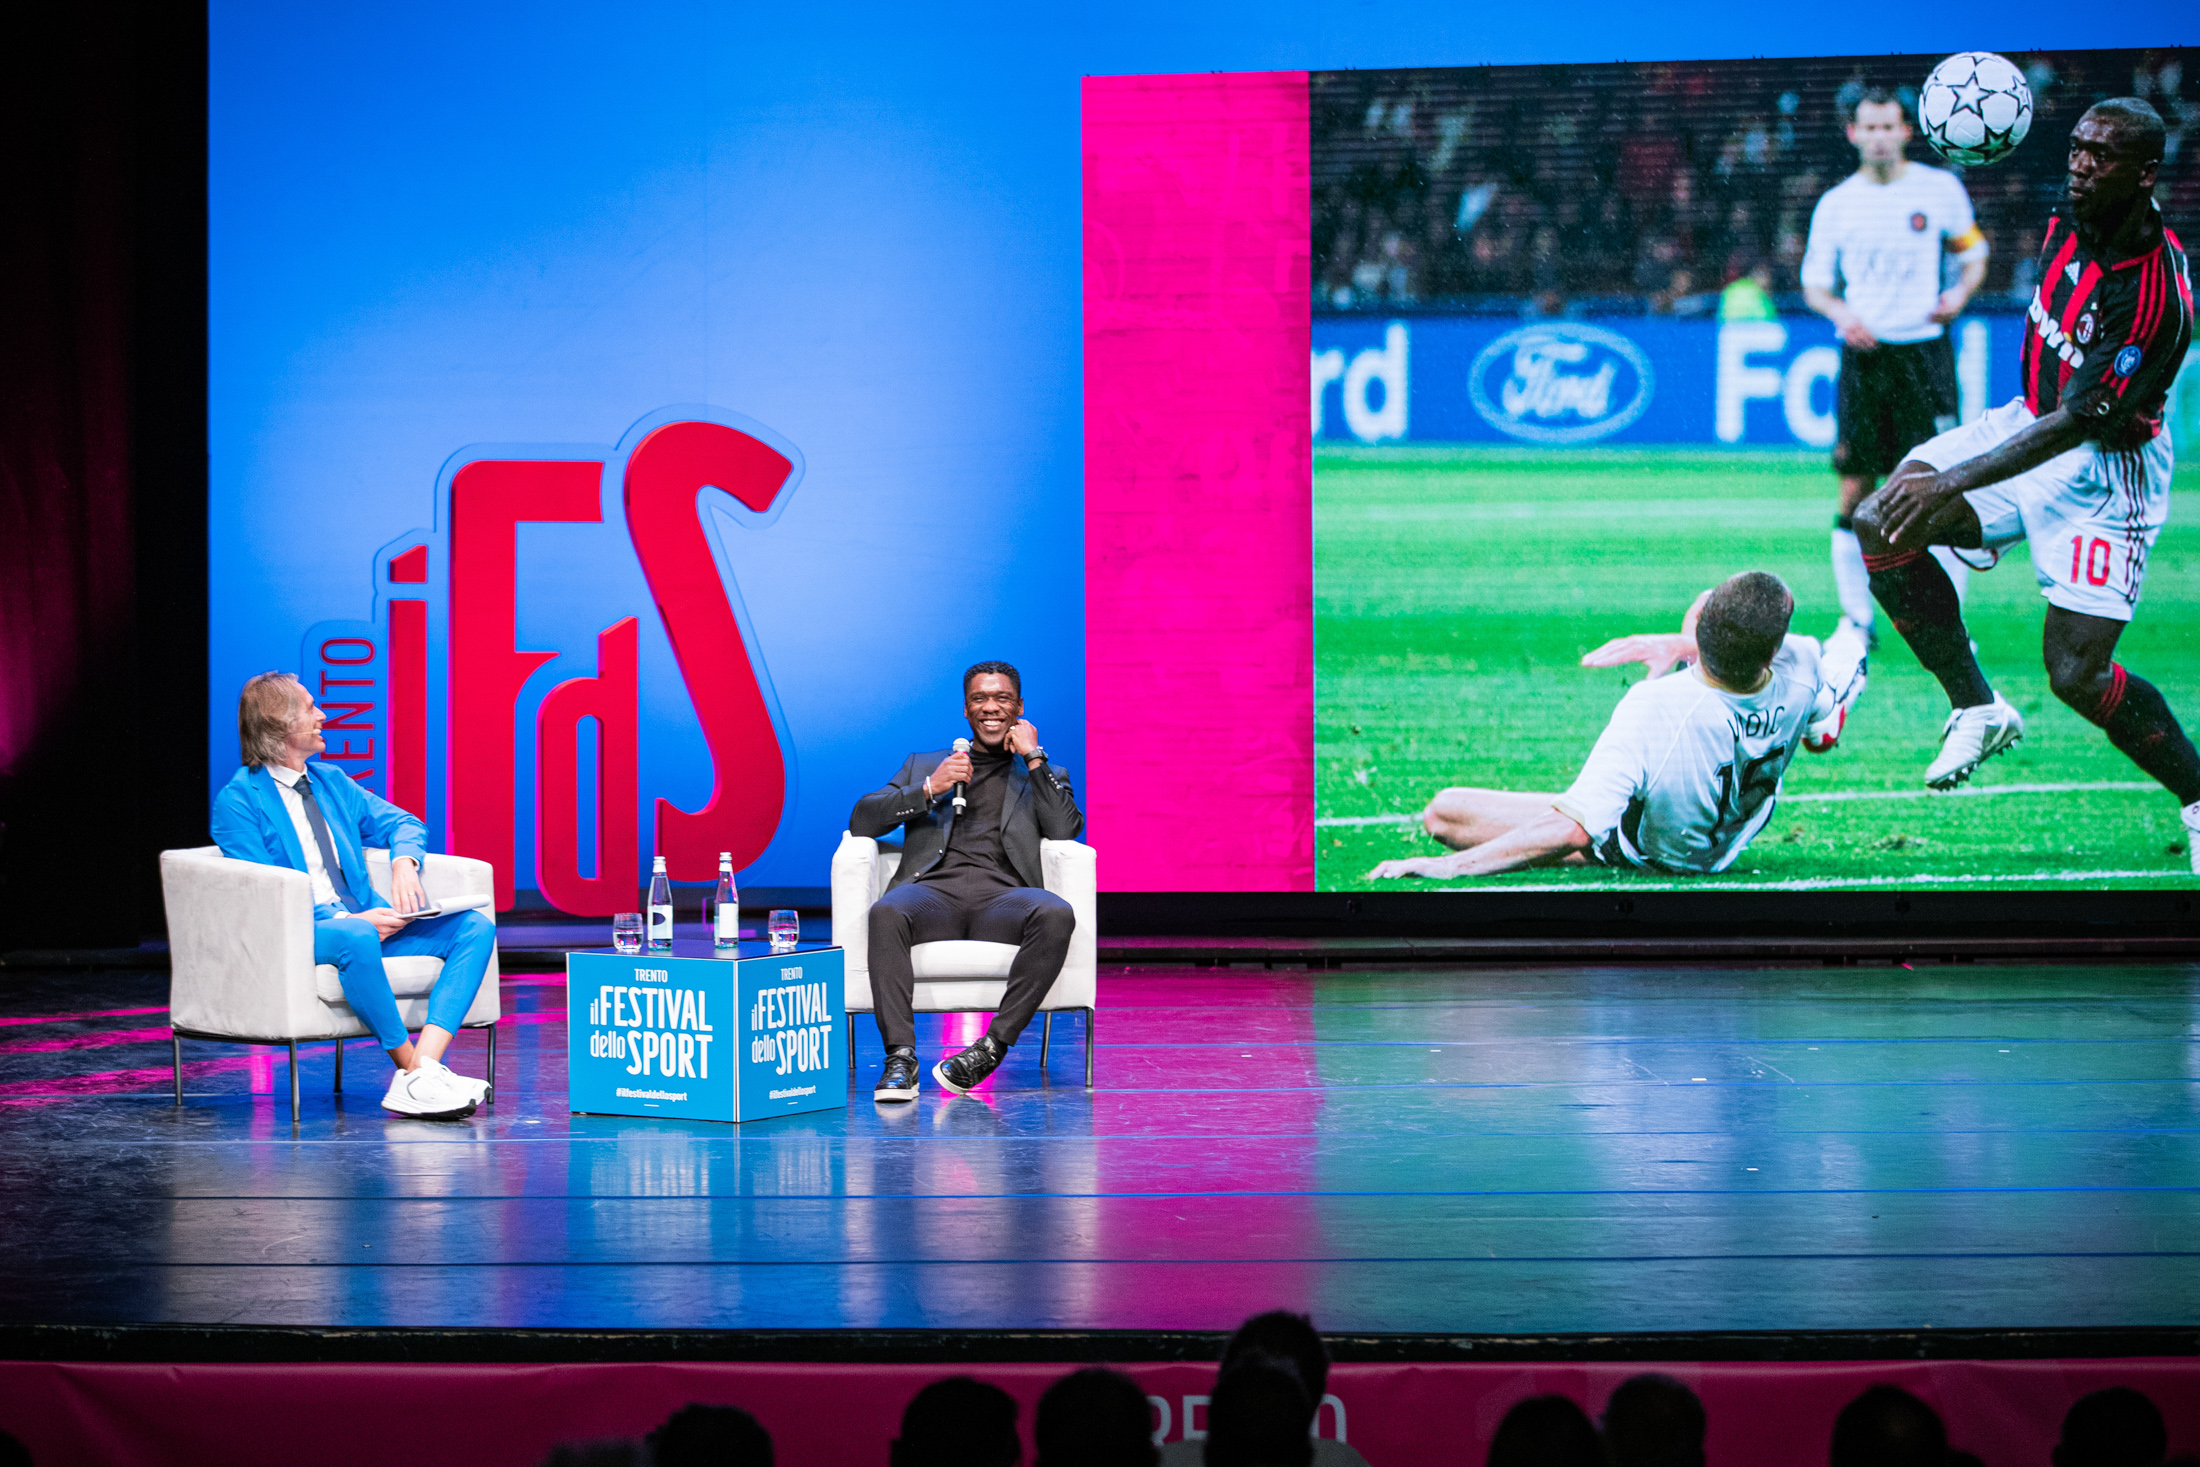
626, 932
786, 929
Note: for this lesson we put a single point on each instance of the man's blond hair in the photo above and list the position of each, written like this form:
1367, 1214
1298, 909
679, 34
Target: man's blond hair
266, 711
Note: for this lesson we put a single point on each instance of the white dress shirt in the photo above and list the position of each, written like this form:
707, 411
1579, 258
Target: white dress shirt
286, 780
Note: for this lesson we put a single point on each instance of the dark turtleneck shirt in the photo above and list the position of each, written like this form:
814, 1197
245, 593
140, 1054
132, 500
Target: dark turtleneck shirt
975, 864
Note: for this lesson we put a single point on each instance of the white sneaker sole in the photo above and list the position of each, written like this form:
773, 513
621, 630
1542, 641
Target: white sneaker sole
1962, 772
883, 1094
431, 1115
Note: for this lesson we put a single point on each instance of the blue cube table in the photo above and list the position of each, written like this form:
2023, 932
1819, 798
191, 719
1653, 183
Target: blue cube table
704, 1035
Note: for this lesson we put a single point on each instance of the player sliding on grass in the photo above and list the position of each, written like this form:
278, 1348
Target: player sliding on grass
2079, 466
1687, 771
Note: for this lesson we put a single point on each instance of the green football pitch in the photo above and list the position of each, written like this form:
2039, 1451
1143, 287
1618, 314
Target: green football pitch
1455, 590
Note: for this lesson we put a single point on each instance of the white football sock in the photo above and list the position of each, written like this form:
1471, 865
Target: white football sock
1851, 582
1958, 571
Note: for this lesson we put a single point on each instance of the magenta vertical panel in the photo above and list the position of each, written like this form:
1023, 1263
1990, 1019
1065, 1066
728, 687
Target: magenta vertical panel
1199, 540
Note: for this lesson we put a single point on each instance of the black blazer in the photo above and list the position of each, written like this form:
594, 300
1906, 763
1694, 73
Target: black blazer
1040, 805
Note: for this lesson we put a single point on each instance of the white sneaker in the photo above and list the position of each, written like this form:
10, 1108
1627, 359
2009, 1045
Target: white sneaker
1842, 664
2191, 815
1865, 631
428, 1093
478, 1089
1971, 737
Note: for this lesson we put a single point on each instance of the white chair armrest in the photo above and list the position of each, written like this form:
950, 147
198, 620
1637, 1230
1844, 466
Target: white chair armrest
854, 881
240, 945
1071, 871
441, 876
447, 876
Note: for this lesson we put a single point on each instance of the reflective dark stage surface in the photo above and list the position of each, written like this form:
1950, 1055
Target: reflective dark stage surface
1458, 1151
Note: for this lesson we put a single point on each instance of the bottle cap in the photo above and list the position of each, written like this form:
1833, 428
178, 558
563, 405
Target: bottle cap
657, 864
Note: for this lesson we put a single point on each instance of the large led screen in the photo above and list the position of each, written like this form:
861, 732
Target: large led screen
1565, 376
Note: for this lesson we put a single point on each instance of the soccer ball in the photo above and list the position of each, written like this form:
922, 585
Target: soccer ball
1975, 108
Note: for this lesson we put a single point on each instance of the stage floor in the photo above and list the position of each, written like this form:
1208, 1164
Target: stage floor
1469, 1151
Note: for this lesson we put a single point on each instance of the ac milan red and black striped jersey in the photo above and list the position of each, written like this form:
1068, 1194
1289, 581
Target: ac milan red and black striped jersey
2108, 328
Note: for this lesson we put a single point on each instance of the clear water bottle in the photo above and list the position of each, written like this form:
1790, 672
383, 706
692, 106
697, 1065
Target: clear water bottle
660, 908
724, 915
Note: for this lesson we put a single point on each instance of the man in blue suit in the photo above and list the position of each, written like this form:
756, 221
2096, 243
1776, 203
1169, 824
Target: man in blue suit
278, 811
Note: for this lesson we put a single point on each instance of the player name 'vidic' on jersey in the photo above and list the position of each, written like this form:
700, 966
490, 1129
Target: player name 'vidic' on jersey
1880, 245
1686, 773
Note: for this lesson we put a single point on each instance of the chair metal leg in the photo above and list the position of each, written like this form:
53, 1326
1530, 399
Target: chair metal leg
338, 1089
1091, 1015
851, 1041
176, 1040
1046, 1036
492, 1064
294, 1082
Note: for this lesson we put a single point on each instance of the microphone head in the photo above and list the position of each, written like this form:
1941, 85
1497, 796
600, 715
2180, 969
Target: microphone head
962, 746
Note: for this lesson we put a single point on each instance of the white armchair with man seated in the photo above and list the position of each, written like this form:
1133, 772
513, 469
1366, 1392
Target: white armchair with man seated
241, 969
966, 976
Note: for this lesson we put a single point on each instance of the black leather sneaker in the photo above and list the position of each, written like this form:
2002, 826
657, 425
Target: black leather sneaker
958, 1072
898, 1081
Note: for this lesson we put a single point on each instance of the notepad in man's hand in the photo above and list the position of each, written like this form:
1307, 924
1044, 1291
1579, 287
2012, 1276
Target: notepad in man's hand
444, 906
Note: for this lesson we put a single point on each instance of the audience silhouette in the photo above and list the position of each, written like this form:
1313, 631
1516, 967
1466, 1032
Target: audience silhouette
710, 1436
1653, 1421
1095, 1418
1286, 1336
1546, 1431
1888, 1427
1259, 1416
958, 1422
2117, 1427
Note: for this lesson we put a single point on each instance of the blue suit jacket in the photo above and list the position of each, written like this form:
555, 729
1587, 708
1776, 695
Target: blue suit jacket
250, 824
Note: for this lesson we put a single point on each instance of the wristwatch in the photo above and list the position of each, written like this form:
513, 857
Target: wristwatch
1039, 754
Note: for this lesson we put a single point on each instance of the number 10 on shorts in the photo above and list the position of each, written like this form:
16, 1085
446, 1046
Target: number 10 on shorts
2091, 559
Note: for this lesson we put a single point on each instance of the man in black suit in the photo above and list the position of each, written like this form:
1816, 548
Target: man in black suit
973, 875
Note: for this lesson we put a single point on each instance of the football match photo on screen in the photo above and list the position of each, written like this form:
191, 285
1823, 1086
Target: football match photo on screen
1764, 475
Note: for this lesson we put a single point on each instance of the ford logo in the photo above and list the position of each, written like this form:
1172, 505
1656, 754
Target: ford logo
1560, 382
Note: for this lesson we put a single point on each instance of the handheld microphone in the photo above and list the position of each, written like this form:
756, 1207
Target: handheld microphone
962, 746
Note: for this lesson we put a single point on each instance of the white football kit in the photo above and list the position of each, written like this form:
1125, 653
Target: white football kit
1879, 246
1686, 773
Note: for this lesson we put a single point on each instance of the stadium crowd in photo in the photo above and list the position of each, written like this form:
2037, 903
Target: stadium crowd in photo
1651, 187
1566, 380
1268, 736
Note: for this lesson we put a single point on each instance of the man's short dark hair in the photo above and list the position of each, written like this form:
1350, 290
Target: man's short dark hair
1654, 1421
1888, 1427
710, 1436
980, 669
1095, 1418
958, 1422
1258, 1416
2117, 1427
1290, 1336
2139, 127
1742, 625
1546, 1431
1878, 97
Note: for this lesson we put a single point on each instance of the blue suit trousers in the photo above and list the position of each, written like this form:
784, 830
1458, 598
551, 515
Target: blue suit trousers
465, 941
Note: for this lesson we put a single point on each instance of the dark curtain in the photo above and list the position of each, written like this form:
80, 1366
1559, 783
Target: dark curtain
102, 468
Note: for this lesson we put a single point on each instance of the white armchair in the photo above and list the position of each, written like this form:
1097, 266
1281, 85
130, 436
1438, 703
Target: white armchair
240, 951
968, 977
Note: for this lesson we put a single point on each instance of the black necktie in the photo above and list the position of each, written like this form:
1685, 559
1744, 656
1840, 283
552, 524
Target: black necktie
335, 868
